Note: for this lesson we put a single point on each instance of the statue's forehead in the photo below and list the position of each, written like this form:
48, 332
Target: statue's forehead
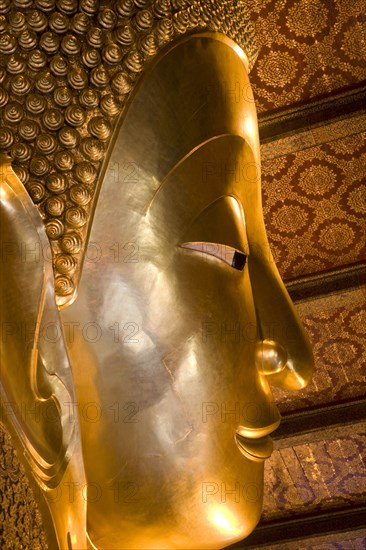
179, 147
183, 101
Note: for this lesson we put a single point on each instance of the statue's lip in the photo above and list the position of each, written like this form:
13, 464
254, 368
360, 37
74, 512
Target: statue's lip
257, 449
258, 432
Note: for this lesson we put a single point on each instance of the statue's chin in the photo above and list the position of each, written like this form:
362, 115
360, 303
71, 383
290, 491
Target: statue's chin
221, 527
209, 515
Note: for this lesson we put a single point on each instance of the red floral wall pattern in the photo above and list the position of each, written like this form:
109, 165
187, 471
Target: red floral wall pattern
336, 325
308, 48
314, 202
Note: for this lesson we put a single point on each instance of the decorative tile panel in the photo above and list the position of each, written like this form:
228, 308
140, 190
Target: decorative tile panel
336, 325
308, 49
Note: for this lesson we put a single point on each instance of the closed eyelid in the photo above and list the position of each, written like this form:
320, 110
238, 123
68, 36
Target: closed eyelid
231, 256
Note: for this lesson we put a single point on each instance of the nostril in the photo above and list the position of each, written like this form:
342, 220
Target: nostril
271, 357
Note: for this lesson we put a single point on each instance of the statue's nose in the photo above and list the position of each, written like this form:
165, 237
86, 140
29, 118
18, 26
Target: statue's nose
270, 357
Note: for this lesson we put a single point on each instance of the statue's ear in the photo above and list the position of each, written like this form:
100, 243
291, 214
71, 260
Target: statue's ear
36, 381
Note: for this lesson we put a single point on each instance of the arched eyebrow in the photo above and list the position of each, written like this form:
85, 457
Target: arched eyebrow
178, 163
221, 223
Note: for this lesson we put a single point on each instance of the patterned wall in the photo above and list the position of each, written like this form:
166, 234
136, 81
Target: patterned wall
314, 196
315, 476
340, 541
336, 325
308, 48
20, 520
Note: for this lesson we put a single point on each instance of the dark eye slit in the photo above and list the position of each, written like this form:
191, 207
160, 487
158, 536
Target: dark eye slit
239, 260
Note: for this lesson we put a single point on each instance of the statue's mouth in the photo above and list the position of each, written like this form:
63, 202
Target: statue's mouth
255, 449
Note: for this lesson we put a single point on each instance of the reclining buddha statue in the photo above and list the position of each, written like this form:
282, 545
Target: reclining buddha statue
143, 317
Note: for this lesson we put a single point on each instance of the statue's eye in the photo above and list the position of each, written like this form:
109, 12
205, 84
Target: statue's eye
227, 254
220, 231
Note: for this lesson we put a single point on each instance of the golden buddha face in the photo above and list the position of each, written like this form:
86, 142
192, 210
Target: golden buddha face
192, 322
179, 326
